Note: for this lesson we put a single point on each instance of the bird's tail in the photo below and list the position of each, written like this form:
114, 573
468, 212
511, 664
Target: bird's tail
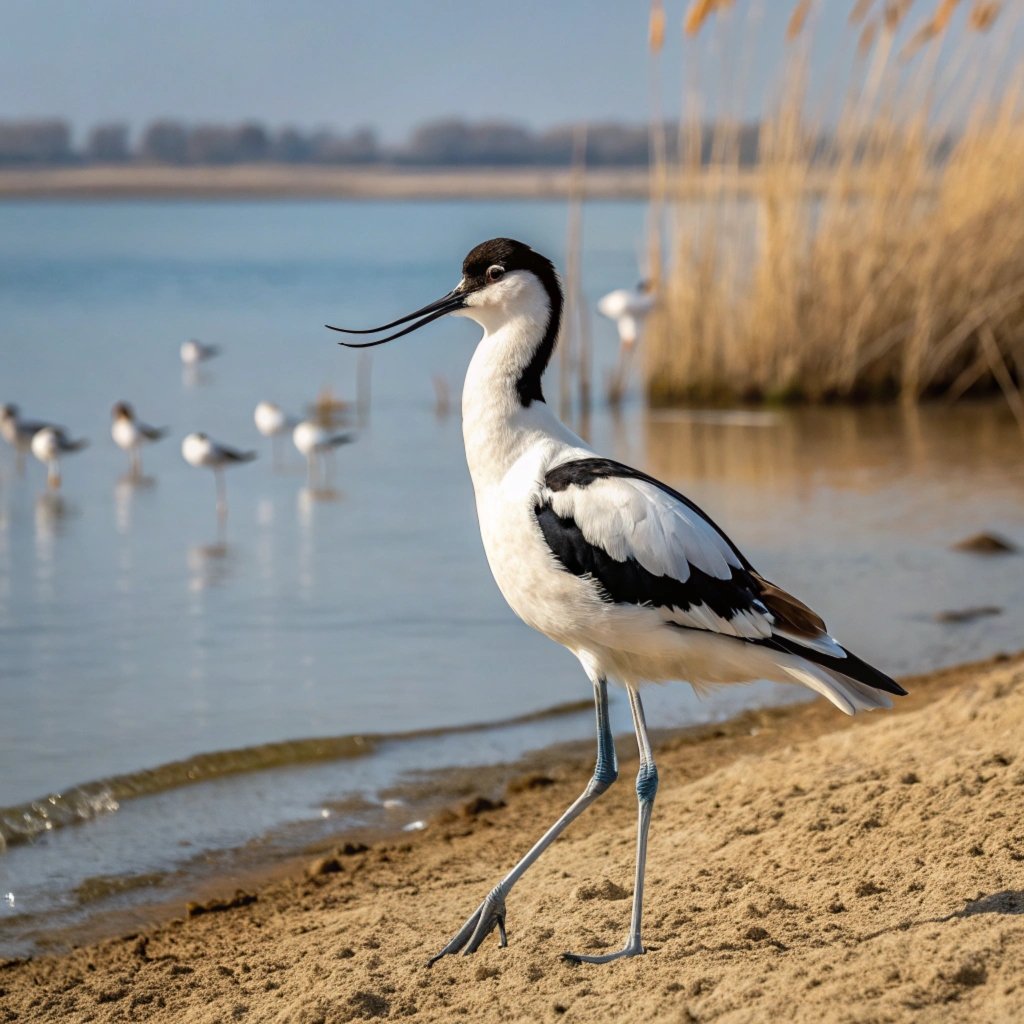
846, 680
849, 695
77, 446
236, 456
339, 439
155, 433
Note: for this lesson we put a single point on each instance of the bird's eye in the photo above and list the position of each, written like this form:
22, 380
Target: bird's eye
494, 273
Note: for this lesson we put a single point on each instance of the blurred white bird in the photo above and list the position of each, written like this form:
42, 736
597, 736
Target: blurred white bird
18, 433
194, 352
628, 307
200, 451
130, 435
48, 445
313, 441
273, 422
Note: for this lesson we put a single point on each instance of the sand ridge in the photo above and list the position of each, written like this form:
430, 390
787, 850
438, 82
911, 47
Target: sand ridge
803, 867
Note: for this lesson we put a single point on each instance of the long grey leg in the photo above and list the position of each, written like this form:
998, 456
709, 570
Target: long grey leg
222, 497
491, 913
646, 788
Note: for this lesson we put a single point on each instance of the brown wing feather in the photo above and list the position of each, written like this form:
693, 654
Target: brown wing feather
791, 614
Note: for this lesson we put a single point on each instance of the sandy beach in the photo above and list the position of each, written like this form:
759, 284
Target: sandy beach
802, 865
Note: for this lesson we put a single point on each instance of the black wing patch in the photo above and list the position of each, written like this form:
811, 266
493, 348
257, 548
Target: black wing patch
629, 582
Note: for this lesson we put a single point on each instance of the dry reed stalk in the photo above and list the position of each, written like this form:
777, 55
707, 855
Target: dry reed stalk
656, 27
700, 11
983, 15
866, 39
895, 11
944, 13
798, 19
860, 11
572, 353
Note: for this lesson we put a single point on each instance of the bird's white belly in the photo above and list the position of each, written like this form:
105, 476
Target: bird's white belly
125, 433
538, 591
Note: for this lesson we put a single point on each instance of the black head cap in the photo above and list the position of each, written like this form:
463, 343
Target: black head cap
510, 255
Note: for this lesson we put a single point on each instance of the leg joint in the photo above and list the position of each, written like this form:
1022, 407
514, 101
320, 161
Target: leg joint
647, 781
605, 773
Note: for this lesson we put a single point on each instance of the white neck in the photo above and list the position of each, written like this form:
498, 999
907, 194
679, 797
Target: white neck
496, 427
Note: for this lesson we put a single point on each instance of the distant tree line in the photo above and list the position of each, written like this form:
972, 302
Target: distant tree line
449, 142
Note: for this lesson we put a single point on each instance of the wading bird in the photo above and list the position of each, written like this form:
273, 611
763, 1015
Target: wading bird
628, 308
273, 422
18, 433
48, 445
195, 352
200, 451
315, 443
130, 435
624, 571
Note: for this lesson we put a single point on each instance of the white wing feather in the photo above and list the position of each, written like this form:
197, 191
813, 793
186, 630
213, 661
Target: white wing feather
635, 519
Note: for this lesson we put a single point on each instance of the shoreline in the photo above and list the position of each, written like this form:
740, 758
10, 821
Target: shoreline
857, 803
283, 181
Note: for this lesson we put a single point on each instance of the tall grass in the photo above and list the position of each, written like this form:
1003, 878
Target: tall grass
883, 247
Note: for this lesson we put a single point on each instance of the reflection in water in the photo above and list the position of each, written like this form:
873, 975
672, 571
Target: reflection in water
307, 502
209, 565
196, 377
52, 513
310, 496
857, 449
125, 491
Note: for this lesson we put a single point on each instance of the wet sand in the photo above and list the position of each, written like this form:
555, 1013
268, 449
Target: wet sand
802, 866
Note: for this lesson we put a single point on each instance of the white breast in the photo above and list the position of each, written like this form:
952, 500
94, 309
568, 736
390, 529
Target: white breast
197, 451
270, 419
125, 433
45, 445
308, 437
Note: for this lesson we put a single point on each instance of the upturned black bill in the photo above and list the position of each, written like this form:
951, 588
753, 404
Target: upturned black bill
446, 304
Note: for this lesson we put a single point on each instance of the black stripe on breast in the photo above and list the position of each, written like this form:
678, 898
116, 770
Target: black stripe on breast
583, 472
629, 582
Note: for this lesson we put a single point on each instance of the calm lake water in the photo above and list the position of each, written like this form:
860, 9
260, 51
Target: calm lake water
299, 650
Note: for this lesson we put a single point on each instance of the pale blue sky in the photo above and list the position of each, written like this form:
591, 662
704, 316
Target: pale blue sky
387, 63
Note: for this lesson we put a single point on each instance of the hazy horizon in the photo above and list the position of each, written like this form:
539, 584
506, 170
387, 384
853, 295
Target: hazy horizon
392, 67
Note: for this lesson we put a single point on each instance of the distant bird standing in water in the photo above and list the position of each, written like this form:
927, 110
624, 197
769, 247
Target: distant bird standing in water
48, 445
18, 433
628, 308
273, 422
195, 352
130, 435
624, 571
314, 442
200, 451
